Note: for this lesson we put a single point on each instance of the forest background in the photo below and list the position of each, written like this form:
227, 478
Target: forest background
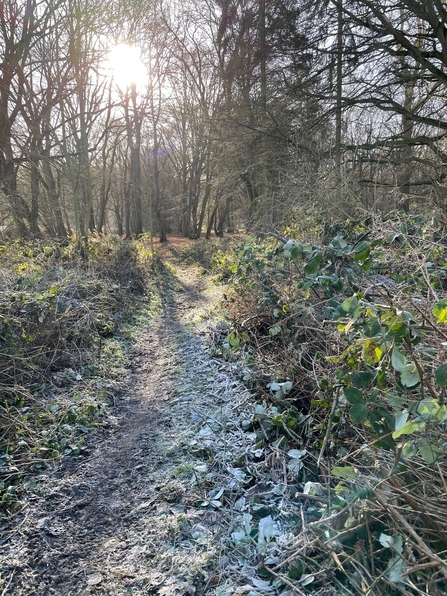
242, 113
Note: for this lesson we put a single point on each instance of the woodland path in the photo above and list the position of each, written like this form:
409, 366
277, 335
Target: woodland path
128, 517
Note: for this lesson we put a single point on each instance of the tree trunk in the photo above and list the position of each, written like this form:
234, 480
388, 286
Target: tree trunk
34, 183
19, 208
220, 227
211, 222
53, 197
405, 168
338, 107
106, 183
136, 165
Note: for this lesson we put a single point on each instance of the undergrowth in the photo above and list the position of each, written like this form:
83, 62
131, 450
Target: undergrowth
206, 253
344, 341
65, 323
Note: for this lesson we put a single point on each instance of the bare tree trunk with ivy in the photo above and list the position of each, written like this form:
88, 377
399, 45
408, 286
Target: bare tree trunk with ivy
338, 108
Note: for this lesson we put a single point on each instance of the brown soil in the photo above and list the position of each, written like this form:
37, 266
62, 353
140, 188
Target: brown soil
130, 517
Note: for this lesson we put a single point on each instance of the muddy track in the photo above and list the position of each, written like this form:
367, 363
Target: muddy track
126, 518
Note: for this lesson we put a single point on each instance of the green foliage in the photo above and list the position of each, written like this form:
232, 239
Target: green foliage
347, 340
387, 351
206, 253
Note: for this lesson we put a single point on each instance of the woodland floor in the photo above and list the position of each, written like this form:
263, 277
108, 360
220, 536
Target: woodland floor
130, 516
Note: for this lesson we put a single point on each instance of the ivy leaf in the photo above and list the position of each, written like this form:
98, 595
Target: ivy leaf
362, 379
287, 386
361, 251
398, 360
400, 419
399, 330
431, 453
346, 472
396, 570
267, 529
372, 329
358, 413
441, 375
409, 428
294, 253
381, 422
409, 376
372, 352
295, 465
354, 396
350, 303
295, 454
395, 400
296, 569
396, 566
386, 540
313, 265
440, 311
409, 449
307, 579
431, 409
361, 247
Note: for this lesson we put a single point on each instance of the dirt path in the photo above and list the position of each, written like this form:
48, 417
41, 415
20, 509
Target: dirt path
131, 516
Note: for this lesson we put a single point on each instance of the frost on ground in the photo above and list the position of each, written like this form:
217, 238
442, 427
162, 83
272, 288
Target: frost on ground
175, 497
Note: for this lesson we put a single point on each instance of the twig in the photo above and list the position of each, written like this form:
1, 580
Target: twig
275, 234
442, 478
371, 546
421, 373
328, 430
294, 555
403, 522
284, 579
332, 518
429, 322
8, 584
427, 281
311, 498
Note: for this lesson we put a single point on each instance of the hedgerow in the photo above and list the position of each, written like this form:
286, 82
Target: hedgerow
345, 342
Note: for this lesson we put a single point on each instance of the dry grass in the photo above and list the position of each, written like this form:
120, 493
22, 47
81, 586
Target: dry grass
60, 321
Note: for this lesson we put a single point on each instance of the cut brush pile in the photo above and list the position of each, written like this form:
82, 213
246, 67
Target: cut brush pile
345, 341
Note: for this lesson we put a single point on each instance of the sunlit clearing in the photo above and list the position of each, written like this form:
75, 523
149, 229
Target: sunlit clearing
126, 67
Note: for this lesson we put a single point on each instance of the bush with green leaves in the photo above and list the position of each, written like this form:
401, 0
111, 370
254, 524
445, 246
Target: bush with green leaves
347, 339
208, 254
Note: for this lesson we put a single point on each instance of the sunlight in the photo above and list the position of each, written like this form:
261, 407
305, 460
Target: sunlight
126, 67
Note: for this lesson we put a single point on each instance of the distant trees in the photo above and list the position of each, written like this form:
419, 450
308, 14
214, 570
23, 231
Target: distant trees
248, 109
21, 25
264, 60
399, 49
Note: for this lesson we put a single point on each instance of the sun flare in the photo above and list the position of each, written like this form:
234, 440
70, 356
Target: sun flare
126, 67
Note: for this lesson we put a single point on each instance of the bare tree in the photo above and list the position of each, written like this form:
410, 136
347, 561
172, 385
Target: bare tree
21, 25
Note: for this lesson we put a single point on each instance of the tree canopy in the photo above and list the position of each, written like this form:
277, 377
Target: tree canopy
243, 111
